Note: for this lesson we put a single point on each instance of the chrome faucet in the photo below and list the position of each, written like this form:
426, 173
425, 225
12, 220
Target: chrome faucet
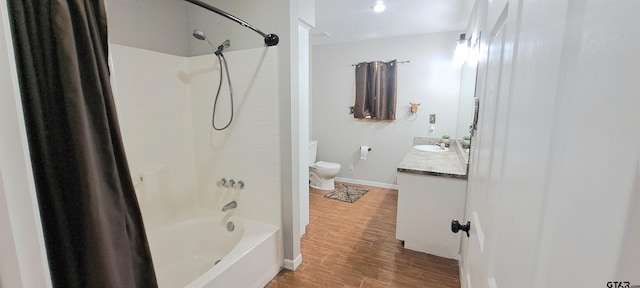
230, 205
441, 145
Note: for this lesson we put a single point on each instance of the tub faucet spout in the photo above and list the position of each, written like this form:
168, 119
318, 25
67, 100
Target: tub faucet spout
230, 205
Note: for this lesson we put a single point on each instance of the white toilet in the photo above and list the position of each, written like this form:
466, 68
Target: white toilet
321, 173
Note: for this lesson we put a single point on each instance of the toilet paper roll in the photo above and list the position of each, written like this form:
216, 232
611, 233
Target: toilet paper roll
364, 151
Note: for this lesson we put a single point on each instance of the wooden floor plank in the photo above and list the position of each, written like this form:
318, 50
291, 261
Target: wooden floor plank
354, 245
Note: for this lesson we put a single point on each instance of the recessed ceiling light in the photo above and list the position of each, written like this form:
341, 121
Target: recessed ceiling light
379, 7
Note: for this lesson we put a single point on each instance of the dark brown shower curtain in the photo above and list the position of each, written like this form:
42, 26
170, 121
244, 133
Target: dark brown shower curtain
92, 224
376, 90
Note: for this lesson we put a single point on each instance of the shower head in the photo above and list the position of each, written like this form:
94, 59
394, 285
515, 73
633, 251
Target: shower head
198, 34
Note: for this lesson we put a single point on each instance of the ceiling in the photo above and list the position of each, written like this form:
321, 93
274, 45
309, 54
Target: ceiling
354, 20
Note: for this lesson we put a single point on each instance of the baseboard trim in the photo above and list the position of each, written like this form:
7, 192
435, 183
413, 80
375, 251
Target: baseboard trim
463, 281
293, 264
368, 183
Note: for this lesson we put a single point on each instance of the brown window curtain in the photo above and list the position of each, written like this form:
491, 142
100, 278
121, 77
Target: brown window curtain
92, 224
376, 90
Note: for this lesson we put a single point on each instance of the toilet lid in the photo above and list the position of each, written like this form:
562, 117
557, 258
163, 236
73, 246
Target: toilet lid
329, 165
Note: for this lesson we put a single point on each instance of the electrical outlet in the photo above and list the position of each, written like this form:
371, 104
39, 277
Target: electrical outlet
351, 167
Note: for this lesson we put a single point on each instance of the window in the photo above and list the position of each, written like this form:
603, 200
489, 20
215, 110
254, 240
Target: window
376, 90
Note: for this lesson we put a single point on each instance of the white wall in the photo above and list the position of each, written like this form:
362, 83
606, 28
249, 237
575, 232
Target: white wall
429, 79
288, 90
303, 124
158, 25
249, 150
307, 12
267, 16
167, 25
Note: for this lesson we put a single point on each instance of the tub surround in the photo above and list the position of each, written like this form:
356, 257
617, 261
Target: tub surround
451, 163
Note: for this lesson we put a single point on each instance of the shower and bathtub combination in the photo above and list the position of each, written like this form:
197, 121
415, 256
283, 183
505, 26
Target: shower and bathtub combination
205, 247
204, 230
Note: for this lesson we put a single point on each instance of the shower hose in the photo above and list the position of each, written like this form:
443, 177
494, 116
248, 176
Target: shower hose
223, 65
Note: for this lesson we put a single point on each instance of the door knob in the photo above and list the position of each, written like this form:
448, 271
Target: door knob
456, 226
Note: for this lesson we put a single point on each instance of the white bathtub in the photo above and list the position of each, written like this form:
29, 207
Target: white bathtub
184, 254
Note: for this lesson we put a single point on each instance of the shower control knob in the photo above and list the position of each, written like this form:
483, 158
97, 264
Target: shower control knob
230, 183
456, 226
221, 182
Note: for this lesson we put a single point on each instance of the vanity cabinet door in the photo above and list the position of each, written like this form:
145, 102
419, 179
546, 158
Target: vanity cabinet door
426, 205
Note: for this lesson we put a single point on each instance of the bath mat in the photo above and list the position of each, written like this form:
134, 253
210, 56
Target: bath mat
346, 193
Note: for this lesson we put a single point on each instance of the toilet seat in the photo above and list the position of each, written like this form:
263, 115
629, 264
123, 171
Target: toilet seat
327, 165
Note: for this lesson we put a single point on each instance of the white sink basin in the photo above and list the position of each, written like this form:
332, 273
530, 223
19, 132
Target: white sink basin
430, 148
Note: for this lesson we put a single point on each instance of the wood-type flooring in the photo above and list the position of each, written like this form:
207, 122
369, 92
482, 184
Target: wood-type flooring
354, 245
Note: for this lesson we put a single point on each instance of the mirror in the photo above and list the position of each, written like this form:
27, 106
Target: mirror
467, 102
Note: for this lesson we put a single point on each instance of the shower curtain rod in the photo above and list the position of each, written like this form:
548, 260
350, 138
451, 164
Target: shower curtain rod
269, 39
399, 62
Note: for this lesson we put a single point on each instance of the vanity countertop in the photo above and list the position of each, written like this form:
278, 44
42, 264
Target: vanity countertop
449, 164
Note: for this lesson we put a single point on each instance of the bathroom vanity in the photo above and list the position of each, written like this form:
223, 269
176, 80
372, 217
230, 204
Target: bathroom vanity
432, 186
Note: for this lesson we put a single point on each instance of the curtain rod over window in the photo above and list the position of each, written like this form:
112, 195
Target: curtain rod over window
399, 62
269, 39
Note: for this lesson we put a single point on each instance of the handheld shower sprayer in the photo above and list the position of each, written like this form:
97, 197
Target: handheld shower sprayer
198, 34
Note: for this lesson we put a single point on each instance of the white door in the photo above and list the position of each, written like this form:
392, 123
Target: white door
488, 151
551, 188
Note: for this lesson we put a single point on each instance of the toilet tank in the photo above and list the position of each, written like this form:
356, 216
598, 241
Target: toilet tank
313, 149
